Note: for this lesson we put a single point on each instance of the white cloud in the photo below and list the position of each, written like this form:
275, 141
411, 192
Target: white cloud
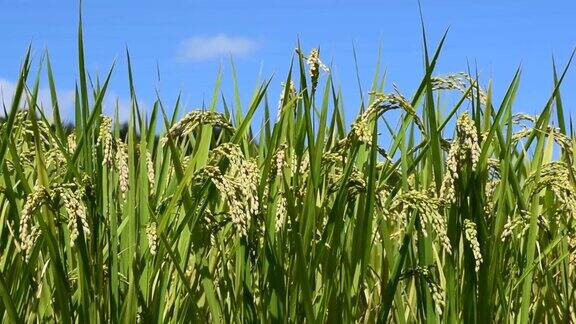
124, 106
6, 93
66, 102
202, 48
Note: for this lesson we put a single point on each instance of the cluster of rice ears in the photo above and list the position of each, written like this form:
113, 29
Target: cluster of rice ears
465, 213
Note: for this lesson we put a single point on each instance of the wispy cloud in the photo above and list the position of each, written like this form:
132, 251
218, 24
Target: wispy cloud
200, 48
65, 98
66, 102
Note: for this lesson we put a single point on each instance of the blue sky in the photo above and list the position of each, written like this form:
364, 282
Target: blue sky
189, 40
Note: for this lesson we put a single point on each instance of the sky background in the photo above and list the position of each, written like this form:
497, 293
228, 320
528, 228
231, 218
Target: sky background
190, 40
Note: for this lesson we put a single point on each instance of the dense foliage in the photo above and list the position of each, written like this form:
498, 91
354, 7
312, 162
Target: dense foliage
462, 212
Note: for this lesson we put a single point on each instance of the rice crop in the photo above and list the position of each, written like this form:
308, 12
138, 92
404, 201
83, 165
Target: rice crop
419, 209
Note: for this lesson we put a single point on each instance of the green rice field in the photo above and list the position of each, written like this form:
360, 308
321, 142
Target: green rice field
442, 205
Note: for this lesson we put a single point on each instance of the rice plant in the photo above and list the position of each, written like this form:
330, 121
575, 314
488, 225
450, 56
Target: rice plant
418, 210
